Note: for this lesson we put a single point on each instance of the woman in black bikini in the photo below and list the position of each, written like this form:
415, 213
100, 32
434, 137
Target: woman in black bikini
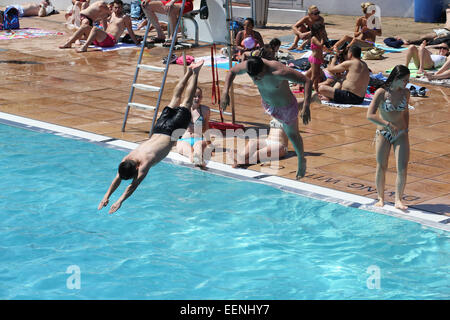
392, 101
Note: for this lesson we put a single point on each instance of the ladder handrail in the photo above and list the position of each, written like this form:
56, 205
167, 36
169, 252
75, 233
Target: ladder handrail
144, 41
172, 44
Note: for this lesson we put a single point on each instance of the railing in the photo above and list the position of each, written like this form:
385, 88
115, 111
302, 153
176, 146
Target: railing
278, 4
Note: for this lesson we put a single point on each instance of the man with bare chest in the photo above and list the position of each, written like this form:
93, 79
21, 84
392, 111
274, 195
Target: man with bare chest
272, 79
116, 25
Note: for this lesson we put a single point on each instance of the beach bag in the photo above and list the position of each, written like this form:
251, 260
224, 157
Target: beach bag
204, 12
11, 19
373, 54
189, 60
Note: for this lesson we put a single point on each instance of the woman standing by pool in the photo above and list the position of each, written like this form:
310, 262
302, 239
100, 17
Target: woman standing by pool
392, 101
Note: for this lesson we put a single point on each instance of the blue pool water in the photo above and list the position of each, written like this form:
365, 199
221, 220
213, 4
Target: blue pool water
188, 234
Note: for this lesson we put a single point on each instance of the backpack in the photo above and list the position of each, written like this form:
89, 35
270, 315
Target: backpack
11, 19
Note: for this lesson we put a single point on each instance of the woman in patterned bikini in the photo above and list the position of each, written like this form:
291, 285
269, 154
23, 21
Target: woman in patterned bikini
392, 101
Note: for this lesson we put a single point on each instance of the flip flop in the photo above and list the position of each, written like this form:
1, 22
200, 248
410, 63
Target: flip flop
422, 91
156, 40
167, 44
413, 91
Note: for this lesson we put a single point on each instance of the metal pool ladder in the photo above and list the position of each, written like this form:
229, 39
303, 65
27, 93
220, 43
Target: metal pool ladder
146, 87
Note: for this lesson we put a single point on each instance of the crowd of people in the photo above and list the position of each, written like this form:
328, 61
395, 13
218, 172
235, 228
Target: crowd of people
343, 79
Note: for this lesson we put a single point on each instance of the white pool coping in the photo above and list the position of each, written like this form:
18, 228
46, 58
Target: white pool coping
424, 218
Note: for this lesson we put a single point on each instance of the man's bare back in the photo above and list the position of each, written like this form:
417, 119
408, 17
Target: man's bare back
357, 78
156, 148
96, 11
273, 88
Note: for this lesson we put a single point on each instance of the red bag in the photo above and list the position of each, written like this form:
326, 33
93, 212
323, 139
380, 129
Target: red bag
225, 125
189, 60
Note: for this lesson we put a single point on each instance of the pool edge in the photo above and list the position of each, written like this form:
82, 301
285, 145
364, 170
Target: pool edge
425, 218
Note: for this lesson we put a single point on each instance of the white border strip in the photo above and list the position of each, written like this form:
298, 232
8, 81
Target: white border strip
53, 127
309, 190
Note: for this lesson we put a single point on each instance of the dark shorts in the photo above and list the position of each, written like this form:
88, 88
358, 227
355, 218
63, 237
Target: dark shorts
172, 119
346, 97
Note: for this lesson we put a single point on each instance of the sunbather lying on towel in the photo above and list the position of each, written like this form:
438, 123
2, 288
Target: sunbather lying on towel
353, 88
424, 59
41, 9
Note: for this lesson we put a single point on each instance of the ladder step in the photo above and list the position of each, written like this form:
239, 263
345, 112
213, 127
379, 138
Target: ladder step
151, 68
145, 87
141, 106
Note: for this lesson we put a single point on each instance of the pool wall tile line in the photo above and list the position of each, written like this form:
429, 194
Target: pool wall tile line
308, 190
52, 127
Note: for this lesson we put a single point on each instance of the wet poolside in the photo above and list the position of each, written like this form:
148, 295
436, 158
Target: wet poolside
89, 92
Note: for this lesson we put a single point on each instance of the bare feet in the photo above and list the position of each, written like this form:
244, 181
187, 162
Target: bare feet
400, 205
380, 203
428, 75
315, 97
198, 162
294, 45
196, 66
65, 46
301, 169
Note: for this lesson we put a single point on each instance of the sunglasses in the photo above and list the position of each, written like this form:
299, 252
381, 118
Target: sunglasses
316, 13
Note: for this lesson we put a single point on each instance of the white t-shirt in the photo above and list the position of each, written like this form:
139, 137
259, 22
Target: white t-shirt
438, 60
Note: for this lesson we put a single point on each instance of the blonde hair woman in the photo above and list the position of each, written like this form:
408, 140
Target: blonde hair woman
302, 28
363, 36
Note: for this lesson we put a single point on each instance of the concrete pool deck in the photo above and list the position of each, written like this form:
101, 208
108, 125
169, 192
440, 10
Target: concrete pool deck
89, 92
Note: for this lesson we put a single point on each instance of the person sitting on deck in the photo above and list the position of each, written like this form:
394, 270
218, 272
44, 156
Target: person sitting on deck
363, 36
172, 9
353, 88
98, 11
302, 28
117, 25
192, 144
73, 12
247, 40
271, 148
171, 124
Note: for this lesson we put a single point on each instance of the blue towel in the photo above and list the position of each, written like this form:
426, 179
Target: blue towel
389, 49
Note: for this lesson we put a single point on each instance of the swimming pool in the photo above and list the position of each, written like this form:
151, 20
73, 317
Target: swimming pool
188, 234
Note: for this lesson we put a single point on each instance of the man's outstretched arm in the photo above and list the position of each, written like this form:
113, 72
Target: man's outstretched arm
129, 190
116, 182
237, 69
129, 26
